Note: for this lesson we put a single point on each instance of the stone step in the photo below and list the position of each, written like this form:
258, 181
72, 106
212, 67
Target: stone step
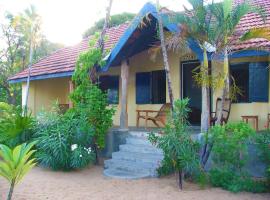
129, 166
138, 148
138, 157
138, 140
121, 174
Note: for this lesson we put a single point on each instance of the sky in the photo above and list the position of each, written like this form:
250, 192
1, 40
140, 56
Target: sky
64, 21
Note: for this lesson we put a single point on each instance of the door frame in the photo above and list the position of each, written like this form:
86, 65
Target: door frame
181, 79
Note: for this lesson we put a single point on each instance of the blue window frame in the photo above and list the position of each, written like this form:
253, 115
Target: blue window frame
110, 84
151, 87
253, 81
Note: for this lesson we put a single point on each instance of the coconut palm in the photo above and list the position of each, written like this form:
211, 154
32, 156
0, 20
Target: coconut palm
197, 28
227, 16
16, 163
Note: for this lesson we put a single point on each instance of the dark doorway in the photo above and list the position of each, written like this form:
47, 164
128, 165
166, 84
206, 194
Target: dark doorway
191, 90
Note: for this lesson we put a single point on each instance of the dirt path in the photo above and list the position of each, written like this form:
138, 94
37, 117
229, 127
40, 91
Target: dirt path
91, 184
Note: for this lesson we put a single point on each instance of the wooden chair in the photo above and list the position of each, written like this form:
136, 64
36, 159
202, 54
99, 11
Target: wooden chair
161, 115
225, 112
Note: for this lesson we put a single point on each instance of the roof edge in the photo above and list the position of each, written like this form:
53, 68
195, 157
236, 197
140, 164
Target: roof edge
42, 77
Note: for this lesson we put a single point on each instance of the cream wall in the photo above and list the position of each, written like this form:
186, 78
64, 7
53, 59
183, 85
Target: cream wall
44, 92
238, 109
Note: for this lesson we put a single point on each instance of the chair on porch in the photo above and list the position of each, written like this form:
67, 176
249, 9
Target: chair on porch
225, 112
161, 115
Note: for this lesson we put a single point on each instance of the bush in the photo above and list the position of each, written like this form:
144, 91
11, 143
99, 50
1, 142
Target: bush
63, 141
263, 144
180, 151
88, 98
234, 182
230, 148
15, 128
229, 155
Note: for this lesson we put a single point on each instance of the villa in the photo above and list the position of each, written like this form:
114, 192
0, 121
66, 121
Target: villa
135, 81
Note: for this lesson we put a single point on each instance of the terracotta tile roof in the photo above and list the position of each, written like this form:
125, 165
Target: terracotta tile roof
249, 21
63, 60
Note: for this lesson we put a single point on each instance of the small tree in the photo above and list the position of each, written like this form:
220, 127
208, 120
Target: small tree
180, 151
16, 163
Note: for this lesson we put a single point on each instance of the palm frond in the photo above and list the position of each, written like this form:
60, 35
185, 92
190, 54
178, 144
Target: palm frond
262, 32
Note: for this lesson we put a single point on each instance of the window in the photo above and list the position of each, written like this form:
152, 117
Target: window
240, 74
151, 87
253, 80
110, 84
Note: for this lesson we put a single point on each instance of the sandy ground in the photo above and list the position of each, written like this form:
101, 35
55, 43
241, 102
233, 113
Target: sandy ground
91, 184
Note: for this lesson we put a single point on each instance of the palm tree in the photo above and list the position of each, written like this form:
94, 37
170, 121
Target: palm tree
197, 27
227, 17
31, 27
165, 55
16, 163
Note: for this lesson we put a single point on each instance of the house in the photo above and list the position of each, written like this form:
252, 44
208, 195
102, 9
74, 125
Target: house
131, 71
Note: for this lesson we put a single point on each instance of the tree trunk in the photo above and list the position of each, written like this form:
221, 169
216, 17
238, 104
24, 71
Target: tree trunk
205, 116
29, 74
93, 71
226, 86
165, 57
11, 190
105, 26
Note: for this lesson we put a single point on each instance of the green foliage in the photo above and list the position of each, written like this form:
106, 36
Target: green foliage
89, 100
232, 181
230, 150
14, 127
16, 163
63, 140
180, 151
16, 32
114, 21
263, 144
229, 156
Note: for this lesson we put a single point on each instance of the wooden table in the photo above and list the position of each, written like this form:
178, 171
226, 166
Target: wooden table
255, 119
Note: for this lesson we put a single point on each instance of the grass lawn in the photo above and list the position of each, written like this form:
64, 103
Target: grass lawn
91, 184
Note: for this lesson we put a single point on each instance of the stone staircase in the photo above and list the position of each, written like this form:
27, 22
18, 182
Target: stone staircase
138, 158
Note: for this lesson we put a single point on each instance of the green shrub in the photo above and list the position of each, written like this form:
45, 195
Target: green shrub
180, 151
229, 180
88, 98
15, 128
230, 150
229, 156
262, 140
63, 141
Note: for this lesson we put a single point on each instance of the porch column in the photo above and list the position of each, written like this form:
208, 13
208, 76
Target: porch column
71, 88
124, 97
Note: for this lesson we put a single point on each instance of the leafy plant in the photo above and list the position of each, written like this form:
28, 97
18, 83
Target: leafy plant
15, 128
230, 148
16, 163
229, 156
263, 144
63, 140
88, 98
180, 151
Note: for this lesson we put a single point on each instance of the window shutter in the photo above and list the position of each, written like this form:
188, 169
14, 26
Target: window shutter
143, 88
113, 97
258, 82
